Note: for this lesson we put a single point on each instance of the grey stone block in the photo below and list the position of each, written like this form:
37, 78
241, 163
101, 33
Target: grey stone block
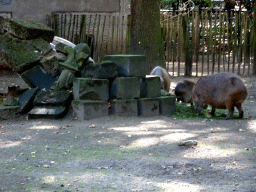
50, 65
90, 89
9, 112
103, 70
48, 112
148, 107
11, 101
125, 88
26, 100
28, 29
167, 105
20, 55
38, 77
88, 109
150, 86
52, 98
129, 65
124, 108
60, 47
41, 45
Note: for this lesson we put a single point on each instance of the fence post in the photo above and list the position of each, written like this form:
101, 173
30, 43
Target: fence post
188, 47
56, 24
254, 41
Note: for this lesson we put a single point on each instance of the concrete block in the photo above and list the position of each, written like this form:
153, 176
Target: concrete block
28, 29
20, 55
60, 47
48, 112
148, 107
10, 101
103, 70
26, 100
125, 88
91, 89
51, 65
167, 105
41, 45
52, 98
38, 77
9, 112
88, 109
150, 86
129, 65
124, 108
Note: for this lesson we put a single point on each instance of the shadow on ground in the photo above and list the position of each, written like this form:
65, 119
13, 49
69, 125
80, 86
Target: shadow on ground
127, 154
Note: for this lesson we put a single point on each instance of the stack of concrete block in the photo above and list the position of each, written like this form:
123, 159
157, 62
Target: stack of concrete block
90, 98
131, 93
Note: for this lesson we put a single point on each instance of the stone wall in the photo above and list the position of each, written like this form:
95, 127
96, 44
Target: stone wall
37, 9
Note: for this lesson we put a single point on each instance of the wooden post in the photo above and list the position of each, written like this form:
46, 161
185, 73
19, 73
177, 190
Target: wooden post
254, 41
102, 37
83, 29
56, 24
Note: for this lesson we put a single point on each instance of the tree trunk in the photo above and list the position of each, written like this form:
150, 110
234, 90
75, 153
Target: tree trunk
146, 37
188, 48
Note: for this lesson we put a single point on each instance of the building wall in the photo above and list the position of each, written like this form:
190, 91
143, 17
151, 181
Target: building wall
38, 9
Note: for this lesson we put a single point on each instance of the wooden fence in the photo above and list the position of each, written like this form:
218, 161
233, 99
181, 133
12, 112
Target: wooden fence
104, 33
196, 43
209, 42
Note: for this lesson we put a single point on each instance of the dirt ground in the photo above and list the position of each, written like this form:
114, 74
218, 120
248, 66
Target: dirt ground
130, 154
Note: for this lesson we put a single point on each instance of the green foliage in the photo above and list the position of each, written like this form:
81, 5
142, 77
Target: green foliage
184, 111
204, 3
167, 2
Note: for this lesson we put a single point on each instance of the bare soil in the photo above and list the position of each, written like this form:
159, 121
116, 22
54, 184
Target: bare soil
130, 154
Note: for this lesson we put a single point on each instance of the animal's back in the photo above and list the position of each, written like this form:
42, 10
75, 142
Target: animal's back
217, 88
164, 77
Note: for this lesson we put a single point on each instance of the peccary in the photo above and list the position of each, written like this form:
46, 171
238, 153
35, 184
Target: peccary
164, 77
222, 90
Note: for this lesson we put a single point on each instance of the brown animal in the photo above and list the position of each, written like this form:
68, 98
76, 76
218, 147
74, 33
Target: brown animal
183, 91
164, 77
222, 90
